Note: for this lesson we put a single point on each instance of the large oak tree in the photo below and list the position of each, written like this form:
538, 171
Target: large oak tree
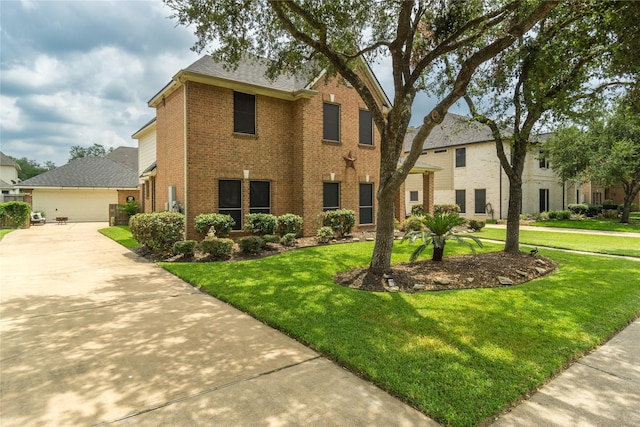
337, 35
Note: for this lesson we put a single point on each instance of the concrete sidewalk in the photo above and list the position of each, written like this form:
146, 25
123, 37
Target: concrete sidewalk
570, 230
93, 335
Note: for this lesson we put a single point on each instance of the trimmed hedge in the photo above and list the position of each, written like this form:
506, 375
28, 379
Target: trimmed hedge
288, 239
289, 223
185, 248
158, 231
260, 223
221, 223
217, 247
250, 244
341, 221
446, 208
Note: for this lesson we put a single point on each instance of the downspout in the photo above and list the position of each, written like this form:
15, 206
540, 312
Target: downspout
186, 177
500, 175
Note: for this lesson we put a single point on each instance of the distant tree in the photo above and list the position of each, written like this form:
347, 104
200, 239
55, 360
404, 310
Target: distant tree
31, 168
607, 152
96, 150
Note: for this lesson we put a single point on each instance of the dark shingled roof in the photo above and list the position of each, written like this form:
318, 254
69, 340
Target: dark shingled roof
454, 130
7, 161
127, 156
92, 172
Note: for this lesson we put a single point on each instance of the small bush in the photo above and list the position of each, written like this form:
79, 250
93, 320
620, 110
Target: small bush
158, 231
130, 208
541, 216
289, 223
271, 238
594, 210
417, 210
476, 225
221, 223
185, 248
576, 217
610, 213
217, 247
579, 208
446, 208
288, 239
341, 221
250, 244
260, 223
412, 223
324, 234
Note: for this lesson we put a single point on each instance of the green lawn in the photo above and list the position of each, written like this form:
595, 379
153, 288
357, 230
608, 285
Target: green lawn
459, 356
5, 232
121, 234
615, 245
593, 224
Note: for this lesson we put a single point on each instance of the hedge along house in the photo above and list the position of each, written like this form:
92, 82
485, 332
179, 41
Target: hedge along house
235, 142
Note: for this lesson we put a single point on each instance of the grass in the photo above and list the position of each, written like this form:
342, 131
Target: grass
121, 234
593, 224
613, 245
458, 356
4, 232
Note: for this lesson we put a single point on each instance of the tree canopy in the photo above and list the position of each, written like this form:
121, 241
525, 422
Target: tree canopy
95, 150
31, 168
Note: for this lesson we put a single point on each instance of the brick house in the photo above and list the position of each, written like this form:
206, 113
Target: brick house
235, 142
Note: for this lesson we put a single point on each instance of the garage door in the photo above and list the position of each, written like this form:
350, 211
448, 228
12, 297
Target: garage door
77, 205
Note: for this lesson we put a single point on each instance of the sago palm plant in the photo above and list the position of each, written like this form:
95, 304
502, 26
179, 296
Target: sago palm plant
439, 229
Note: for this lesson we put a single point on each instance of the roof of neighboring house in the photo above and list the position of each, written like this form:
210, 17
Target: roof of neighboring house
7, 161
454, 130
5, 185
127, 156
144, 127
91, 172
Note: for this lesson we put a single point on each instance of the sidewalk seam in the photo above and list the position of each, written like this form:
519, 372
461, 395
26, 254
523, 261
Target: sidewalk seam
581, 362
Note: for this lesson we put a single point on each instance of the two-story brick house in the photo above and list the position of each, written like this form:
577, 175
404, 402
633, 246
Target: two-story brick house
233, 141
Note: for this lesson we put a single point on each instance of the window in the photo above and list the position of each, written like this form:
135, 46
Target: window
259, 197
331, 196
461, 157
413, 196
331, 122
544, 163
244, 113
440, 151
230, 200
366, 128
481, 201
461, 200
544, 200
596, 198
366, 203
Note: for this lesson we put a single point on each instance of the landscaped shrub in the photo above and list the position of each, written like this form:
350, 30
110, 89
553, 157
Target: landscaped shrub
16, 212
559, 215
446, 208
250, 244
217, 247
341, 221
260, 223
412, 223
610, 213
221, 223
185, 248
158, 231
579, 208
417, 210
324, 234
130, 208
476, 225
288, 239
271, 238
288, 223
576, 217
541, 216
594, 210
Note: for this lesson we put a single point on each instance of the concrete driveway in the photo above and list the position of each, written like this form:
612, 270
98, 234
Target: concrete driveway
93, 335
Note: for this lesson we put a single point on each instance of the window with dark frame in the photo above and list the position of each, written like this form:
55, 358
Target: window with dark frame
544, 200
413, 196
481, 201
461, 157
366, 203
330, 196
366, 128
543, 162
461, 200
244, 113
230, 200
259, 197
331, 122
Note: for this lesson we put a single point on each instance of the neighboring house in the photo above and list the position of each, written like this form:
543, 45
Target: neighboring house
235, 142
146, 167
83, 189
472, 177
8, 178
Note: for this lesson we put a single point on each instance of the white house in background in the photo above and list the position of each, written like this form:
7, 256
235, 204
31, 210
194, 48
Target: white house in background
146, 137
8, 177
472, 177
83, 189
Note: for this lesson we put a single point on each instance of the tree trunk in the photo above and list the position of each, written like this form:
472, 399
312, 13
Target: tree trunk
512, 244
438, 253
633, 190
381, 258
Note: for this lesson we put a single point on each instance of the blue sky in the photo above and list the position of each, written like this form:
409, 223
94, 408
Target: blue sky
81, 72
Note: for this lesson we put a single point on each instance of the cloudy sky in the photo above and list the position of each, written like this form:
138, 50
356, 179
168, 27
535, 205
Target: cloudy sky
81, 72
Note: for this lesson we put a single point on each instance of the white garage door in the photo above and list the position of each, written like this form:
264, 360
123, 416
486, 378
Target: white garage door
77, 205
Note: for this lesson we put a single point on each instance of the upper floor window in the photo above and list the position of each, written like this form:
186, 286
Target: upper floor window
544, 163
331, 122
244, 113
461, 157
330, 196
366, 128
259, 197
